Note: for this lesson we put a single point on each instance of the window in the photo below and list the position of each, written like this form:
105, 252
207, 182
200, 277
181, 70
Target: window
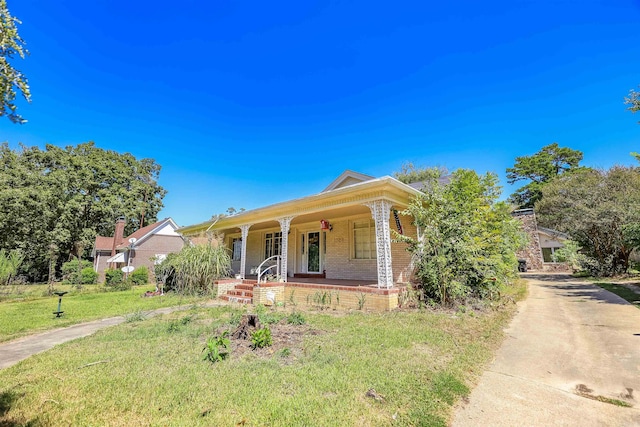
364, 240
547, 254
236, 247
272, 244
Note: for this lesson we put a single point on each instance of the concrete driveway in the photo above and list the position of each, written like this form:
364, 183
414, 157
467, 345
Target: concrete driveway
570, 343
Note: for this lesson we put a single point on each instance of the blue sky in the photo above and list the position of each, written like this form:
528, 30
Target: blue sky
250, 103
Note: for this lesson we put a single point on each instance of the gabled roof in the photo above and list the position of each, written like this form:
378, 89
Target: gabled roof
356, 194
145, 232
347, 178
103, 243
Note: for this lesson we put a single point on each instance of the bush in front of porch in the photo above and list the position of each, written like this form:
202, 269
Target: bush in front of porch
467, 244
194, 269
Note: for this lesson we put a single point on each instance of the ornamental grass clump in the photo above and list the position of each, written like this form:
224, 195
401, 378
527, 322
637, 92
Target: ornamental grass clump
194, 269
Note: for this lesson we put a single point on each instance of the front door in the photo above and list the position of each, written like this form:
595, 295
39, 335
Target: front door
313, 252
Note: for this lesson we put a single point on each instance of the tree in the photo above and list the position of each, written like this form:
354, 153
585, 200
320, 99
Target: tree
540, 168
11, 80
633, 101
53, 202
410, 174
600, 210
467, 240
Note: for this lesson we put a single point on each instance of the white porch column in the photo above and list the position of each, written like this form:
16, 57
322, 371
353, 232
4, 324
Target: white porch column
284, 228
381, 212
243, 251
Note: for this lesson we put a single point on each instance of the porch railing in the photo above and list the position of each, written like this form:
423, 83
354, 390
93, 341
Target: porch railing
261, 272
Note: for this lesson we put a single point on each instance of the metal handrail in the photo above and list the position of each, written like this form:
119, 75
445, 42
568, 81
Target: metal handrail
277, 264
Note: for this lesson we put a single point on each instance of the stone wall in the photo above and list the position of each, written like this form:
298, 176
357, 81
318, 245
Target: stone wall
532, 252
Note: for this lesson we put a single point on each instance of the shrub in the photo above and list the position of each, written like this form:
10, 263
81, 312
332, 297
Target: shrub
194, 268
114, 279
140, 276
72, 272
88, 276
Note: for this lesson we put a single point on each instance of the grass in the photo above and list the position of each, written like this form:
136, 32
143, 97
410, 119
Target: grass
28, 310
621, 291
152, 372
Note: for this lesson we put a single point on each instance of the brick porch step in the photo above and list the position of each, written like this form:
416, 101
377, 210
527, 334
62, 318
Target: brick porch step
239, 300
240, 293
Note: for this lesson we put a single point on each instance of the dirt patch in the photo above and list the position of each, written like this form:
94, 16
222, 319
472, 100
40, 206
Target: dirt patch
288, 341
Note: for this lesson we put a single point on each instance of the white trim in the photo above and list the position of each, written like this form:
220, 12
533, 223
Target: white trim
398, 193
346, 175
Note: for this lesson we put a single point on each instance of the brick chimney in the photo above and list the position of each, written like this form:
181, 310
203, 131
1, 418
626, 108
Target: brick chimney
119, 234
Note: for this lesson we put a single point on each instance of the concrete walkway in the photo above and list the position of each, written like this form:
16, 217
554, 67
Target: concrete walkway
12, 352
569, 343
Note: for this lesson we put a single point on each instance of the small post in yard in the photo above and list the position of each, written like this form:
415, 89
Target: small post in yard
59, 313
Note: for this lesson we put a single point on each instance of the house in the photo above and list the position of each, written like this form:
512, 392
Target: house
543, 242
141, 248
340, 237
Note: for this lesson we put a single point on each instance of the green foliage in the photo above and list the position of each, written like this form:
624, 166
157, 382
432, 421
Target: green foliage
600, 210
633, 101
267, 317
177, 324
53, 202
218, 348
9, 264
285, 352
73, 272
410, 174
194, 269
467, 241
139, 276
114, 279
11, 44
539, 169
570, 253
261, 338
362, 299
323, 299
88, 276
136, 316
296, 318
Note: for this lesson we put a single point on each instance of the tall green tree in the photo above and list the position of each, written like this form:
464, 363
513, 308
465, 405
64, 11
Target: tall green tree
600, 210
54, 202
467, 240
11, 79
539, 169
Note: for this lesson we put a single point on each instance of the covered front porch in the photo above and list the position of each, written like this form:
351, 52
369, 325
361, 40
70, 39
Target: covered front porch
343, 235
353, 243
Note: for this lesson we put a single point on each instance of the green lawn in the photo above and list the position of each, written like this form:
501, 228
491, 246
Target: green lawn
152, 372
28, 310
622, 291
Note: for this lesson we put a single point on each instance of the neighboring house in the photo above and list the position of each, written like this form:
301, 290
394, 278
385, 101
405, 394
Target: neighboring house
550, 241
155, 241
342, 233
543, 242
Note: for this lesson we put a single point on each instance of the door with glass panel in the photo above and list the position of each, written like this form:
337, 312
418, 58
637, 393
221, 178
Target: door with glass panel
313, 251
